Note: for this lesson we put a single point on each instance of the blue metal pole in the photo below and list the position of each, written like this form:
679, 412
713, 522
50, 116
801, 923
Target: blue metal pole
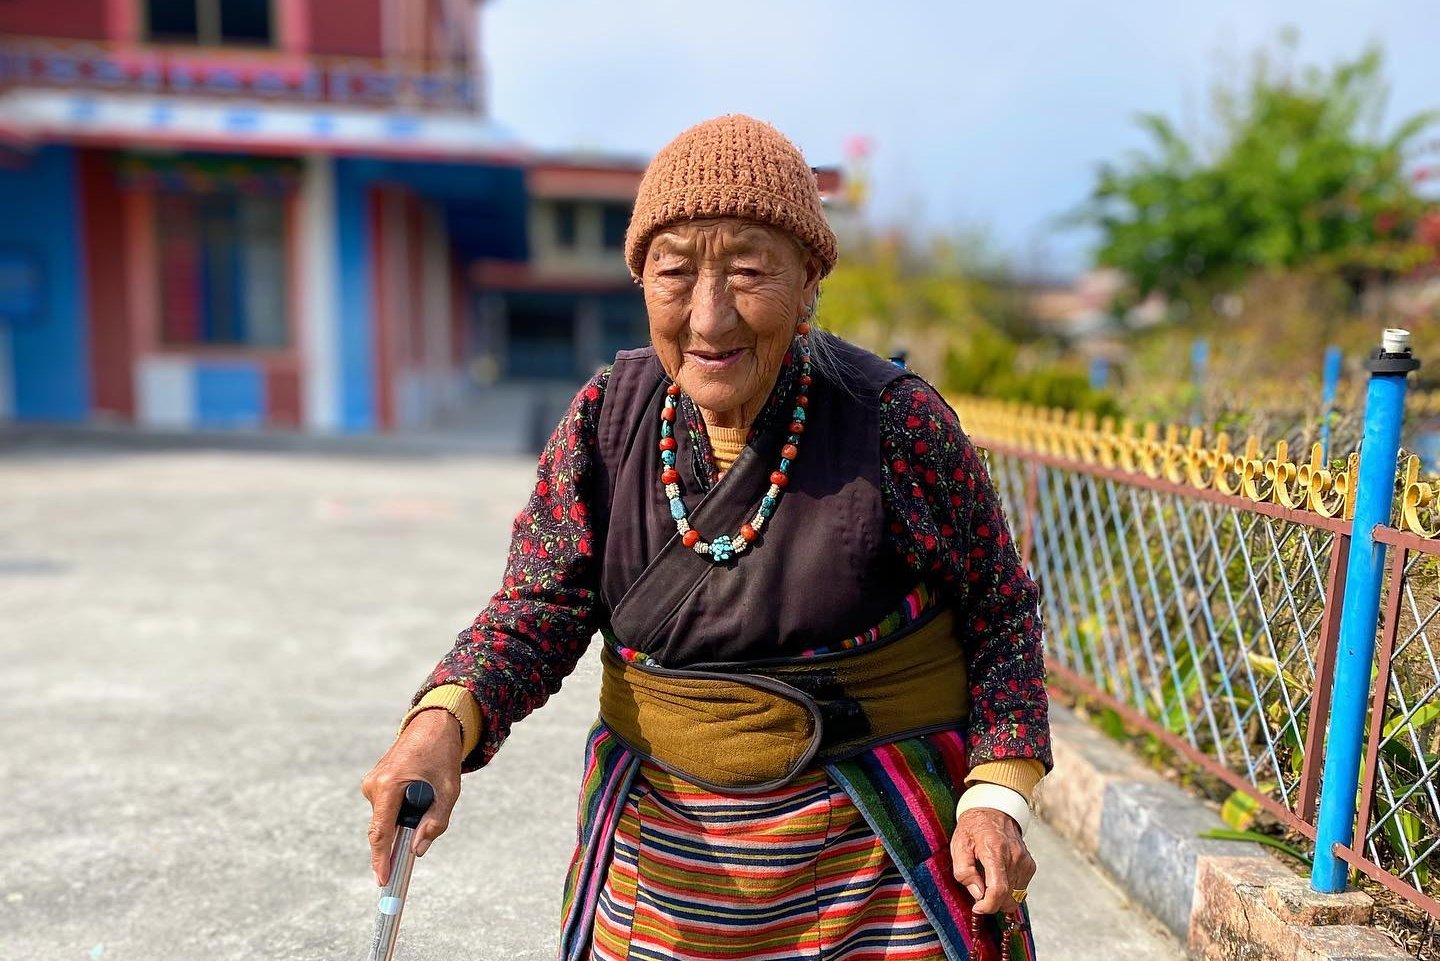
1199, 367
1375, 492
1328, 389
1099, 373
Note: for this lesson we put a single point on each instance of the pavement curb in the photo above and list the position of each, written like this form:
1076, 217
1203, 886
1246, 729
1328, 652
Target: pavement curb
1224, 900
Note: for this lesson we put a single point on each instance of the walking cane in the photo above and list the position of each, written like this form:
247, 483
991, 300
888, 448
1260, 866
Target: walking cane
419, 795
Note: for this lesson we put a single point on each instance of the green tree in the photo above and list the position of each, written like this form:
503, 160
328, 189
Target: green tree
1296, 174
891, 293
951, 309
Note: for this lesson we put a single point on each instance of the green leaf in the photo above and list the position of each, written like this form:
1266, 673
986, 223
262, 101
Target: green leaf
1291, 734
1178, 695
1239, 810
1398, 752
1265, 665
1404, 831
1111, 723
1225, 834
1416, 720
1269, 666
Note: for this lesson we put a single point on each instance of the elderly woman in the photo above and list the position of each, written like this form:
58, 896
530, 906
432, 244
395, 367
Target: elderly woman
822, 711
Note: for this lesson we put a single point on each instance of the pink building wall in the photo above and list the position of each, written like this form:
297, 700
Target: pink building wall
325, 27
342, 28
68, 19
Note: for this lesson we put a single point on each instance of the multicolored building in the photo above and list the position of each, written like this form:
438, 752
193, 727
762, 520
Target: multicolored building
291, 214
271, 213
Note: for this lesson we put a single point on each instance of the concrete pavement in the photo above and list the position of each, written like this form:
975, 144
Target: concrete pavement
203, 653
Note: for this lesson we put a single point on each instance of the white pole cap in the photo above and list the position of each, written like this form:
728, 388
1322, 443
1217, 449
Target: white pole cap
1395, 340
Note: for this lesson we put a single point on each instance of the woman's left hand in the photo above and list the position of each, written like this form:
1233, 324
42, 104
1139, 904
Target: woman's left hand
991, 859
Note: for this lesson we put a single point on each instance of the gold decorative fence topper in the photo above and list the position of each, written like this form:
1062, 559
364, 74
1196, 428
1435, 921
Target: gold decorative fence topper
1147, 452
1418, 511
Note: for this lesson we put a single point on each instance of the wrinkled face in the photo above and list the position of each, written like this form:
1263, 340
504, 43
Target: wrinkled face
724, 297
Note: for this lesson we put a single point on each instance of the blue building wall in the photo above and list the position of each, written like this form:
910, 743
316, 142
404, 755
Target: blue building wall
354, 262
229, 394
484, 210
40, 226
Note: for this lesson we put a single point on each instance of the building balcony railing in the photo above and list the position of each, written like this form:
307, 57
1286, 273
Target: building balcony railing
225, 72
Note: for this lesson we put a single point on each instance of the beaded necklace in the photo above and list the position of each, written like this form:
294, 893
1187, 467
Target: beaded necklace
728, 547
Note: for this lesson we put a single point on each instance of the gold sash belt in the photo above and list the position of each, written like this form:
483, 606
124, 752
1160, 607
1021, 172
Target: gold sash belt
746, 728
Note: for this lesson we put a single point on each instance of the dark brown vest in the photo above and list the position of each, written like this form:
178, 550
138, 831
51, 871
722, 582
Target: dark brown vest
819, 573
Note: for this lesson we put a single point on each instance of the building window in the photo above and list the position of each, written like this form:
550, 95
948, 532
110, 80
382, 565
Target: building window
222, 270
623, 324
210, 22
614, 219
173, 20
540, 337
567, 224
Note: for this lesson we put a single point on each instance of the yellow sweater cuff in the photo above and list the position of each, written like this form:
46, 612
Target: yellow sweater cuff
1018, 774
459, 702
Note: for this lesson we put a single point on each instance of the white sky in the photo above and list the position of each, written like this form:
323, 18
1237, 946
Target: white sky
989, 115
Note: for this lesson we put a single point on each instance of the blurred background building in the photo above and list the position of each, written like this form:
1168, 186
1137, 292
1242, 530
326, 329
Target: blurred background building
292, 214
233, 213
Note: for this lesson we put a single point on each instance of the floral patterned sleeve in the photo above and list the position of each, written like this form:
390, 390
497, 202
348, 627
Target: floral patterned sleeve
536, 627
947, 522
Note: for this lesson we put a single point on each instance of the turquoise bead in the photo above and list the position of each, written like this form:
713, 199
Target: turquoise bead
677, 509
784, 465
667, 457
799, 415
721, 549
666, 430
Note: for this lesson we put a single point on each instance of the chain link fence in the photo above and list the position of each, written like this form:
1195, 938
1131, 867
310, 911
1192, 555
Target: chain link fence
1198, 592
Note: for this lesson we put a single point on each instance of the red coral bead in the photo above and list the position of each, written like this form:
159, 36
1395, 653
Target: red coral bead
779, 479
667, 413
667, 443
673, 390
691, 538
748, 532
789, 452
804, 328
669, 476
796, 427
802, 401
805, 380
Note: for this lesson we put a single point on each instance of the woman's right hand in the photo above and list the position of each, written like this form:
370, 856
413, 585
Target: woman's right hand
427, 750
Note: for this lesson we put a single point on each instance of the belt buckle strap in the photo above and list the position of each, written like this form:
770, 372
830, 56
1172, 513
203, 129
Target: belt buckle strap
841, 721
842, 717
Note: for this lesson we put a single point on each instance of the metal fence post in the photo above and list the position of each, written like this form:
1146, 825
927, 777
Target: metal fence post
1328, 389
1199, 368
1375, 494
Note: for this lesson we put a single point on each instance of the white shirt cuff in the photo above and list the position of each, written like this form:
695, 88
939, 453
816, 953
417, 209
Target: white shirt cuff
999, 798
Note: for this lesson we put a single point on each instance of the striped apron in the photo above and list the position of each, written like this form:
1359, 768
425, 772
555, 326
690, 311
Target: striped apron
849, 862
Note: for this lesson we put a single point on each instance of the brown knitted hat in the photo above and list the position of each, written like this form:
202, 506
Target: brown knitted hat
731, 166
